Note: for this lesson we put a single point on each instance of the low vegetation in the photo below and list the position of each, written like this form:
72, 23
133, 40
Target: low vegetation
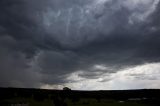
68, 97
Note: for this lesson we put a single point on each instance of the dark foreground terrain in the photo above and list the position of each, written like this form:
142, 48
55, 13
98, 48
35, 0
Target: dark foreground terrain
41, 97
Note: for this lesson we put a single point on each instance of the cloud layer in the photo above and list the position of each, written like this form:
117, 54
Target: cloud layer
142, 76
44, 42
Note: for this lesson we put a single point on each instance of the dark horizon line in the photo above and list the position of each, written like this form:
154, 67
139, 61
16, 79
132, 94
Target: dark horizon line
79, 90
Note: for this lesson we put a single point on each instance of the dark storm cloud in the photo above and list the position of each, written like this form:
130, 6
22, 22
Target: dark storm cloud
51, 39
15, 70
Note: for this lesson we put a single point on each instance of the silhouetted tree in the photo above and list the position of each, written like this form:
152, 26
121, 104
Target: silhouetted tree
66, 88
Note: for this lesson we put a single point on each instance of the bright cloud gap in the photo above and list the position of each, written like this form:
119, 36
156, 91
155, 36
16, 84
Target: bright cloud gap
138, 77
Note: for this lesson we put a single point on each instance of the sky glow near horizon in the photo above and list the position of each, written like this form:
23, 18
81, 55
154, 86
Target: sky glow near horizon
143, 76
85, 45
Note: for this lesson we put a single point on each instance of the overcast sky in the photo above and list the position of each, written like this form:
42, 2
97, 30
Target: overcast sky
82, 44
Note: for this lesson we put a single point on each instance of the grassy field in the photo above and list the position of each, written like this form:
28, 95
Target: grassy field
94, 102
40, 97
69, 102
